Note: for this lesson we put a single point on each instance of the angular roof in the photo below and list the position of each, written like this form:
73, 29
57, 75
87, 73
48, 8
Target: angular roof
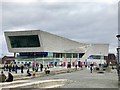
48, 42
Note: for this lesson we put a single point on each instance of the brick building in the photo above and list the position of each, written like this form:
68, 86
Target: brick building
111, 58
8, 59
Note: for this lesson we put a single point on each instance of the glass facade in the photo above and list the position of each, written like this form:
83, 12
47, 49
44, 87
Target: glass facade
47, 57
27, 41
50, 54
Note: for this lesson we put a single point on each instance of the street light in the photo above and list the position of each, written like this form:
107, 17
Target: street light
118, 58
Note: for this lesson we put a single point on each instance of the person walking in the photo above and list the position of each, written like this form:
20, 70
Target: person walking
91, 69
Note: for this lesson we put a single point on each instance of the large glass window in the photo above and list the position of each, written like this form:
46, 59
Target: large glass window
63, 55
24, 41
74, 55
80, 55
57, 55
68, 55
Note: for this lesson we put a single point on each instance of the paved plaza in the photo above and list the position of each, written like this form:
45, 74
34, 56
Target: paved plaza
82, 79
85, 79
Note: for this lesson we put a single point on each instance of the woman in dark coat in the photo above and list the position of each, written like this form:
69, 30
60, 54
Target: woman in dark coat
28, 72
41, 67
10, 77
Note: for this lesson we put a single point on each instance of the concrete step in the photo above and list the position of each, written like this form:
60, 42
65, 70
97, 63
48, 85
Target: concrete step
39, 84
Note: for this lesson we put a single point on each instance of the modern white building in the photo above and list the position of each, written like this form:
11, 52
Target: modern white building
46, 47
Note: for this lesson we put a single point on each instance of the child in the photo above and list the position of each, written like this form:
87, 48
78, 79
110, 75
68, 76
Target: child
34, 73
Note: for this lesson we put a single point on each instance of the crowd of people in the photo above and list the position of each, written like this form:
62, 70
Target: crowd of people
91, 66
35, 68
13, 68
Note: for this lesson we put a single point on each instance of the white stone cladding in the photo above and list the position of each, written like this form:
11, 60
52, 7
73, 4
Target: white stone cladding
54, 43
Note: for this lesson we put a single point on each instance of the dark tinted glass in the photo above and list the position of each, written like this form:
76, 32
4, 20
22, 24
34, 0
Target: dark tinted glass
24, 41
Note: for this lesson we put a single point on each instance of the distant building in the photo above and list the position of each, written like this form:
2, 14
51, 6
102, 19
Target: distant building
111, 59
44, 47
8, 59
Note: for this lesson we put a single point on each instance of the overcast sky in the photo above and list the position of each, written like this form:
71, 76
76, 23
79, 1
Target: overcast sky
89, 21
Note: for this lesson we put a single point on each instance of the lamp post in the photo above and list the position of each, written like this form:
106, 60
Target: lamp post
118, 58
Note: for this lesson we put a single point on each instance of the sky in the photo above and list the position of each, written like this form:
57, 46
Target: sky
87, 21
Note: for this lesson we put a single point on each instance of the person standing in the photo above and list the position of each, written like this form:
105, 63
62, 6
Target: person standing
48, 66
69, 67
16, 67
2, 77
4, 67
41, 67
76, 67
13, 67
81, 65
37, 67
22, 67
7, 67
33, 66
10, 67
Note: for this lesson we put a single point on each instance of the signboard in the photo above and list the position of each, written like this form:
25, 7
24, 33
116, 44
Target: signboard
41, 54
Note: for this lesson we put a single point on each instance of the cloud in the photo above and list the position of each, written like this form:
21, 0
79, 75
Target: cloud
85, 21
